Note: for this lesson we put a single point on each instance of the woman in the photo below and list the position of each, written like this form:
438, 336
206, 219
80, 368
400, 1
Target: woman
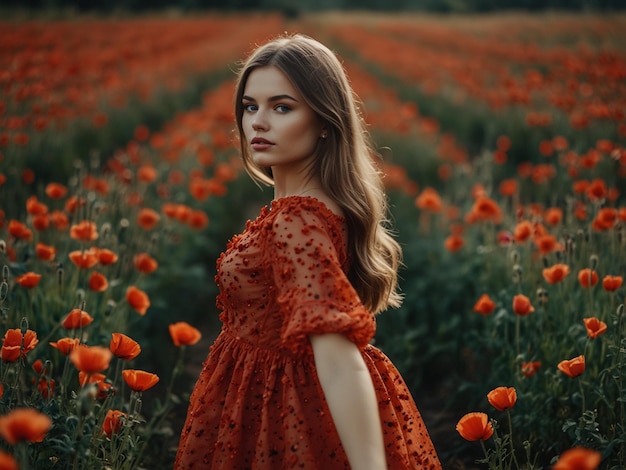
291, 381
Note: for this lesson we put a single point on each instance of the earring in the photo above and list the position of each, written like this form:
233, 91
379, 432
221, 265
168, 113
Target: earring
324, 134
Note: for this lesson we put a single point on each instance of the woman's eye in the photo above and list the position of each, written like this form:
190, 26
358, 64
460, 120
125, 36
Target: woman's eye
281, 108
249, 107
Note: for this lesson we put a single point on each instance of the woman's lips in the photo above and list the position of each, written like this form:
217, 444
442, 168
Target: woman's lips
260, 144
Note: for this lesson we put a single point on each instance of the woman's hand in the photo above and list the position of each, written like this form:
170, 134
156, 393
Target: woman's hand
351, 398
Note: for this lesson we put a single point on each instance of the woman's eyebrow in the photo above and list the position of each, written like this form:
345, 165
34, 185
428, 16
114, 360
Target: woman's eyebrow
272, 98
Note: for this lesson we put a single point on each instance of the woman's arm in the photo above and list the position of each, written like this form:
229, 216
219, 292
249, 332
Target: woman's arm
350, 395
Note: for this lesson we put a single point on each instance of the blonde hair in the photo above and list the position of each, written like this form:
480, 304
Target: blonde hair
343, 164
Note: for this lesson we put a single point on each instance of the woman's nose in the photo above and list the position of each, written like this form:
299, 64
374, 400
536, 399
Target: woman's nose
259, 122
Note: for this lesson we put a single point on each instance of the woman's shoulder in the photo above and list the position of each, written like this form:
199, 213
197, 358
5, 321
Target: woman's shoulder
321, 207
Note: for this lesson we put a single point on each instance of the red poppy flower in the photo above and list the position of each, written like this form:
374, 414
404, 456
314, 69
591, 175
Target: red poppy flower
66, 345
77, 318
594, 327
612, 283
91, 359
137, 299
605, 219
124, 347
24, 424
553, 215
139, 380
587, 278
508, 187
146, 173
502, 398
45, 252
84, 259
429, 200
45, 388
98, 282
41, 222
148, 218
84, 231
530, 368
60, 220
145, 263
578, 458
454, 243
556, 273
484, 305
104, 388
14, 344
475, 427
522, 305
183, 334
523, 231
107, 257
547, 244
56, 191
8, 462
573, 367
74, 202
198, 220
28, 280
20, 231
113, 422
34, 207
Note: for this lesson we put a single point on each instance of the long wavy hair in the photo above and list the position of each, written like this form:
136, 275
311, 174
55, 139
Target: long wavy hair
344, 160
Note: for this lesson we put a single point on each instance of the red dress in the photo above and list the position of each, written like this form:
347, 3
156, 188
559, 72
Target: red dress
258, 403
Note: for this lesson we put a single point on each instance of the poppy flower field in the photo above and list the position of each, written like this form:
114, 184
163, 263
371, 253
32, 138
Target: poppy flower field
503, 144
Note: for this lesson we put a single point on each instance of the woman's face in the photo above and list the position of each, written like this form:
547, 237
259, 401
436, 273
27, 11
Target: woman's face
279, 127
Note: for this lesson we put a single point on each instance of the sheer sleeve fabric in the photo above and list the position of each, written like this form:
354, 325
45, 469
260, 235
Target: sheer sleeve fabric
313, 292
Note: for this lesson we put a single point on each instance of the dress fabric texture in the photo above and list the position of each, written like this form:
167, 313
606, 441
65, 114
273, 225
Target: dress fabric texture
258, 403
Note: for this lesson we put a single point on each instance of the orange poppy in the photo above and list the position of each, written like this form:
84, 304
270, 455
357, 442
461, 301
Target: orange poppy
91, 359
74, 202
28, 280
45, 252
578, 458
184, 334
45, 388
148, 218
84, 259
20, 231
484, 305
594, 327
429, 200
573, 367
485, 210
16, 345
8, 462
612, 283
84, 231
553, 215
124, 347
454, 243
555, 273
56, 190
98, 282
596, 190
547, 243
66, 345
523, 231
60, 220
522, 305
502, 398
104, 388
475, 426
145, 263
41, 222
113, 422
530, 368
77, 318
139, 380
146, 174
24, 424
107, 257
35, 207
587, 278
198, 219
137, 299
605, 220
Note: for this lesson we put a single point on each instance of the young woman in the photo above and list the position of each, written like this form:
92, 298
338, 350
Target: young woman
292, 381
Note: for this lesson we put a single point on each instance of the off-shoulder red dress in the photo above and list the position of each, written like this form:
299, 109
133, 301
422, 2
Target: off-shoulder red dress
258, 403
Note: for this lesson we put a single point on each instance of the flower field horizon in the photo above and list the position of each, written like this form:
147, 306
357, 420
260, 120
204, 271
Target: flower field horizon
502, 139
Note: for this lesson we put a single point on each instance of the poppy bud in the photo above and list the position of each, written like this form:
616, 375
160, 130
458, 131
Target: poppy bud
3, 246
24, 325
593, 261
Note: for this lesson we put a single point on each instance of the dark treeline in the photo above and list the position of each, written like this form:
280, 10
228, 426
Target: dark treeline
296, 7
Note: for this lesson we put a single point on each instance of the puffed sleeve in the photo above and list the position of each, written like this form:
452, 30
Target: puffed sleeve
313, 292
